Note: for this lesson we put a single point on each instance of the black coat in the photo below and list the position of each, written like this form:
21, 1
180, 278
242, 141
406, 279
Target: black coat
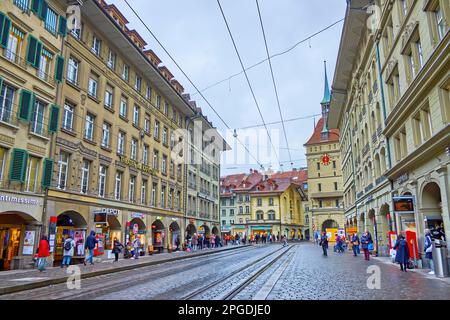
402, 255
324, 241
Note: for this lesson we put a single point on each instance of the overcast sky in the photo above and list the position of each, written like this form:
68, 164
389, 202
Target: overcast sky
196, 36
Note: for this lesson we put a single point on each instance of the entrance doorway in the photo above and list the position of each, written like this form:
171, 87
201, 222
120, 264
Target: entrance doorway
432, 210
70, 223
158, 235
174, 234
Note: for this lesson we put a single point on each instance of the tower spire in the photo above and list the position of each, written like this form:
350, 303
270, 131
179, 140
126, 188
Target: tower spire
326, 94
325, 105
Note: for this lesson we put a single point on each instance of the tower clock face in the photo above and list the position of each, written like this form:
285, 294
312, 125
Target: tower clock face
325, 159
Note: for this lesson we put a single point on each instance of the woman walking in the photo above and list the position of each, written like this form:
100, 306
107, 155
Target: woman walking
324, 244
117, 248
402, 255
43, 253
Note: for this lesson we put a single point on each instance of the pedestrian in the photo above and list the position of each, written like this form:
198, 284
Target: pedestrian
429, 250
91, 242
69, 248
355, 244
237, 238
137, 247
324, 243
365, 240
213, 241
177, 243
200, 242
117, 248
43, 253
285, 243
194, 242
402, 255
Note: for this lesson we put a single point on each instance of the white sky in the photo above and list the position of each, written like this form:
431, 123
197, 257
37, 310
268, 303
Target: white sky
196, 36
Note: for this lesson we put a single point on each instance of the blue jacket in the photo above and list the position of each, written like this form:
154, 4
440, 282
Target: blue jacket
365, 240
402, 255
355, 239
91, 241
324, 241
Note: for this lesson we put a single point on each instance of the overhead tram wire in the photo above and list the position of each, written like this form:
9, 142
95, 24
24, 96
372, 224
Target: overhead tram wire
272, 56
273, 80
190, 81
248, 81
277, 122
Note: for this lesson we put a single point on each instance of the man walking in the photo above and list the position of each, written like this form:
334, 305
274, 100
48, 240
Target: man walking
429, 250
355, 244
91, 242
324, 244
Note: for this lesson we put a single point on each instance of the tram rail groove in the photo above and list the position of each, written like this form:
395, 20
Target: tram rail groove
208, 287
63, 279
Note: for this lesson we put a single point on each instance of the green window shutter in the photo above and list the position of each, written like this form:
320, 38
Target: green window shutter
54, 117
37, 61
43, 11
62, 26
47, 173
36, 6
18, 166
31, 51
25, 105
59, 69
1, 83
5, 26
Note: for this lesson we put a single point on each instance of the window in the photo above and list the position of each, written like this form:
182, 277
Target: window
131, 189
422, 127
96, 45
231, 212
259, 202
102, 181
121, 143
147, 123
123, 107
155, 159
170, 199
337, 203
148, 93
247, 209
318, 165
72, 70
45, 64
241, 209
400, 145
89, 127
164, 164
179, 172
134, 149
32, 174
165, 136
156, 130
126, 72
118, 186
144, 192
112, 58
166, 108
224, 213
404, 7
51, 20
394, 87
270, 201
93, 86
22, 4
106, 133
77, 28
138, 83
109, 96
7, 94
440, 23
136, 115
172, 169
158, 102
85, 176
271, 215
154, 190
37, 120
163, 197
15, 42
63, 165
259, 215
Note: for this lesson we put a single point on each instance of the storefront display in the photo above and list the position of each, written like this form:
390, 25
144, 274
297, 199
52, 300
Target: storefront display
9, 245
28, 242
78, 235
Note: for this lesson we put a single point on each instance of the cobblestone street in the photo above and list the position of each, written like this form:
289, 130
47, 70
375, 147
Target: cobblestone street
272, 272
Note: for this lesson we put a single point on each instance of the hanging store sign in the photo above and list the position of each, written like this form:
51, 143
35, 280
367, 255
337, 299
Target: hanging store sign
137, 215
134, 164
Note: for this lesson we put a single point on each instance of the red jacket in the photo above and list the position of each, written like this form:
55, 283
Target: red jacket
44, 249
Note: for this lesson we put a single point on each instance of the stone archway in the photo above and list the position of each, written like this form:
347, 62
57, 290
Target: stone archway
431, 205
215, 231
174, 234
158, 235
329, 224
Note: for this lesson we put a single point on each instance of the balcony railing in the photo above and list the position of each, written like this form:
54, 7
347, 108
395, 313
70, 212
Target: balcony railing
14, 58
8, 116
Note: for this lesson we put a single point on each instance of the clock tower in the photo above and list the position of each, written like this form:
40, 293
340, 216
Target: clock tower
325, 196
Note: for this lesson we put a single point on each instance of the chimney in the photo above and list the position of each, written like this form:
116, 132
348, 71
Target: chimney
251, 170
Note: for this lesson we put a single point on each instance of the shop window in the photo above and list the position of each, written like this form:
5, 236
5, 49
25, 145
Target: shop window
32, 174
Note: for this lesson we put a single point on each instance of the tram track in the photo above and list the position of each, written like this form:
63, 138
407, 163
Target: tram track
103, 284
243, 284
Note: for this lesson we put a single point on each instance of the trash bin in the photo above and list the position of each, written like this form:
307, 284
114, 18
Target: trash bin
440, 258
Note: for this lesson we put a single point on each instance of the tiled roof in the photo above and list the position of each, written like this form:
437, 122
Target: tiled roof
297, 176
317, 135
270, 185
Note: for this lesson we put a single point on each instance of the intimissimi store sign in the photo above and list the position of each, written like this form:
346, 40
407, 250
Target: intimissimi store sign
18, 200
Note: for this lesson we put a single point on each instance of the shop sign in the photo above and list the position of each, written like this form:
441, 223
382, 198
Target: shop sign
52, 232
134, 164
137, 215
403, 204
18, 200
108, 211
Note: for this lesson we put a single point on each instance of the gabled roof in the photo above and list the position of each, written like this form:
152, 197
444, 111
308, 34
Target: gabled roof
272, 186
153, 57
296, 176
250, 181
112, 8
333, 135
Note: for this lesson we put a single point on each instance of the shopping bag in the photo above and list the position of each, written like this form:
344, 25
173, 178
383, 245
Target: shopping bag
370, 246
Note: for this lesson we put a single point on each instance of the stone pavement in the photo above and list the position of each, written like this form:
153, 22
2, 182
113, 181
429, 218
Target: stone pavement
18, 280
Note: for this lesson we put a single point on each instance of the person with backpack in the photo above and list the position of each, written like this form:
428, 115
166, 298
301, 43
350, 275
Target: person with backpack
355, 244
69, 248
91, 242
428, 247
43, 253
365, 241
117, 248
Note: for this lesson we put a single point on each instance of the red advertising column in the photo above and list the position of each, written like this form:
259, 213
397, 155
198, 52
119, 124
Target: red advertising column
411, 238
